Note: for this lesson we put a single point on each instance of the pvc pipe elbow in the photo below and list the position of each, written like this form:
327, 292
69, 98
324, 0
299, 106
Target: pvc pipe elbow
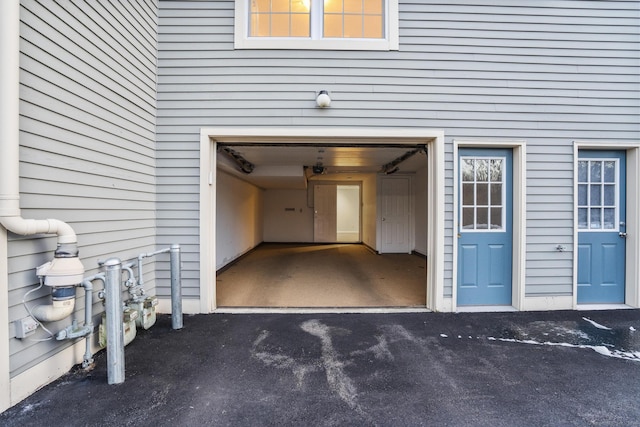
55, 311
28, 227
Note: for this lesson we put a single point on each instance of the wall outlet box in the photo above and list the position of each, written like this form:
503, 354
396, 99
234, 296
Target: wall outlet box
25, 327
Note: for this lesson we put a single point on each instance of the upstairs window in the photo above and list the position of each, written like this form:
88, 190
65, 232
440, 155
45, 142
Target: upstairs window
317, 24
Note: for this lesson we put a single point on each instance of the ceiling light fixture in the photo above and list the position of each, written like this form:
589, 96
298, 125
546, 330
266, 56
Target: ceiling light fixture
323, 100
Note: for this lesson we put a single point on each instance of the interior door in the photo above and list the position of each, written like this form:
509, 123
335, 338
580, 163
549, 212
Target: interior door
601, 226
485, 238
325, 213
395, 215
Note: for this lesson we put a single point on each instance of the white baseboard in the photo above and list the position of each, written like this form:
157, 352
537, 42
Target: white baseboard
189, 306
548, 303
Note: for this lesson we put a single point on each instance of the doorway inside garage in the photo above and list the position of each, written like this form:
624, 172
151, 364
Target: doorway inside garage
304, 222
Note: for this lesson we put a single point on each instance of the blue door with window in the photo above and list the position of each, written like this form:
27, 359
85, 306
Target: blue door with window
485, 237
601, 207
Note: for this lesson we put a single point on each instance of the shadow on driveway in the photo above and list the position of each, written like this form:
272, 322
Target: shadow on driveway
409, 369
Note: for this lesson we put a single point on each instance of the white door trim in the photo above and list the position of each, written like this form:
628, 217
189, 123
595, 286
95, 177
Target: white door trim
632, 272
519, 214
433, 138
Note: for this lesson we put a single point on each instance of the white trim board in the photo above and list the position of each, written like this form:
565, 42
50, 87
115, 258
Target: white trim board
433, 138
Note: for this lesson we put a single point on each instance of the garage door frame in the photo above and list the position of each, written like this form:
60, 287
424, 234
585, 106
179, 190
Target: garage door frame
432, 138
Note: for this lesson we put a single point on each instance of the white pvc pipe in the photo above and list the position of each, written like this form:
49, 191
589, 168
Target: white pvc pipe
9, 107
10, 216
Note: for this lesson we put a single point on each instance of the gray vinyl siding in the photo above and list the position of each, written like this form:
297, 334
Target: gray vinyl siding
87, 145
548, 73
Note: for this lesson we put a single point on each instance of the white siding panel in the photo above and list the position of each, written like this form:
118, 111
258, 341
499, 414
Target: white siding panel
548, 73
87, 147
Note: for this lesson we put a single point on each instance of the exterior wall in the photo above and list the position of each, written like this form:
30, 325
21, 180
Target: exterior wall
87, 141
239, 225
545, 73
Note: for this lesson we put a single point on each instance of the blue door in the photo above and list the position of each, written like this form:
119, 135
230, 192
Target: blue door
601, 226
485, 236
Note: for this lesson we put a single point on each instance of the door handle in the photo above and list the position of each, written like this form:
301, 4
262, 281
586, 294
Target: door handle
622, 234
384, 219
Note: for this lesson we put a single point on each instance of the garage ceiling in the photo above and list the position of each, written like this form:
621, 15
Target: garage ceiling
289, 166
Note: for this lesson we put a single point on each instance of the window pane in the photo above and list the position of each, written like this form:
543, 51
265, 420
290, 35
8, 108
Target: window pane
280, 25
609, 195
496, 218
596, 171
353, 6
496, 170
373, 7
467, 218
333, 26
609, 218
482, 194
301, 6
595, 195
596, 219
333, 6
373, 27
280, 5
353, 26
483, 218
467, 170
582, 218
260, 25
482, 170
467, 195
300, 26
582, 194
609, 171
496, 194
582, 171
260, 6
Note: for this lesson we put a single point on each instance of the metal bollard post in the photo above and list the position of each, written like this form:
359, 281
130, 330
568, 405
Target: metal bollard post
176, 288
115, 330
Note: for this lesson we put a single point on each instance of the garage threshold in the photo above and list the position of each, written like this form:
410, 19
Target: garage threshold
320, 310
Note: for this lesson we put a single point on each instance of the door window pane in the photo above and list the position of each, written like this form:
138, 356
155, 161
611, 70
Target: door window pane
496, 218
596, 171
482, 195
596, 220
496, 194
609, 219
582, 195
582, 218
595, 195
582, 171
609, 195
609, 171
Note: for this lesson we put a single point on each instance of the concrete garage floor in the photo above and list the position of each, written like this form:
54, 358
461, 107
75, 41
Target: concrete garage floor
333, 275
404, 369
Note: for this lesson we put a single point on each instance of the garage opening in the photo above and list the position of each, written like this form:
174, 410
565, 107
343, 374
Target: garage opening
321, 225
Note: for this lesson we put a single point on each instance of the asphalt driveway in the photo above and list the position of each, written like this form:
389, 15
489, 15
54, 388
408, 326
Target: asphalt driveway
406, 369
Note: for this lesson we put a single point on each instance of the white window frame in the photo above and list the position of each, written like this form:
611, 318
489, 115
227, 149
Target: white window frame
503, 228
316, 42
616, 183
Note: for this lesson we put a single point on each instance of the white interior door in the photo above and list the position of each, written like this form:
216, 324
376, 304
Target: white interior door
325, 213
394, 216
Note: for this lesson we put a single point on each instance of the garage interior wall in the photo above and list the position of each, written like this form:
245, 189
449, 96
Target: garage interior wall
239, 215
